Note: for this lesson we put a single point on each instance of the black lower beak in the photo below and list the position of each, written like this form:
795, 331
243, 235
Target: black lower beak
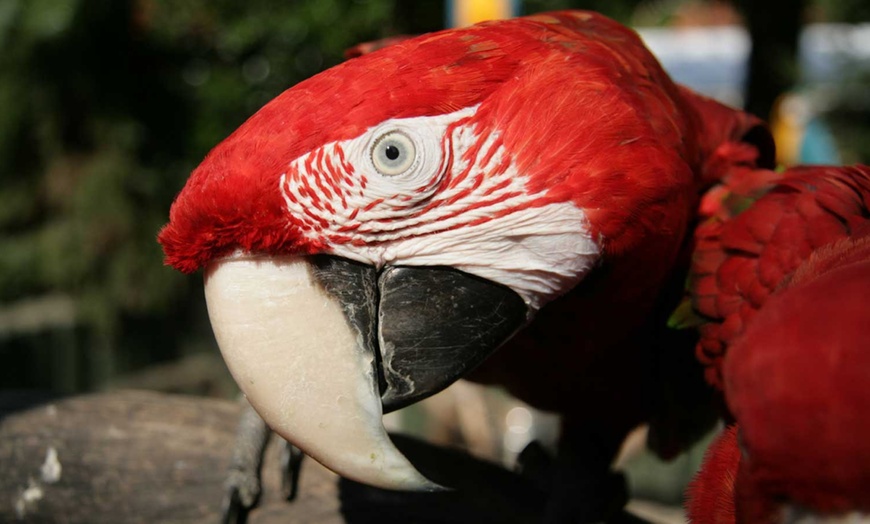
426, 326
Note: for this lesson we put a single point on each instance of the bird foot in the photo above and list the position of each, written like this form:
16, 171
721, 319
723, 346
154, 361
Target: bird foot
242, 487
241, 494
575, 492
481, 491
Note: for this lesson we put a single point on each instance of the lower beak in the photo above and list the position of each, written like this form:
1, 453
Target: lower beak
322, 346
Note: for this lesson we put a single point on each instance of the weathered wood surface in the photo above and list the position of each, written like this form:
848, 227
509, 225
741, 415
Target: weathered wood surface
136, 457
150, 457
130, 457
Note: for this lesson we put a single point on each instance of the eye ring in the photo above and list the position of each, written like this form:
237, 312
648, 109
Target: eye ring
393, 153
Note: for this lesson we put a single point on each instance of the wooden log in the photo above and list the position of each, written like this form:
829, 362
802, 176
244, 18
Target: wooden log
133, 456
136, 457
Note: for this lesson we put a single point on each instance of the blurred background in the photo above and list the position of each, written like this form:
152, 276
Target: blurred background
107, 105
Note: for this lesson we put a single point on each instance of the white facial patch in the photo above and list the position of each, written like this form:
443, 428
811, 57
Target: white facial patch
460, 202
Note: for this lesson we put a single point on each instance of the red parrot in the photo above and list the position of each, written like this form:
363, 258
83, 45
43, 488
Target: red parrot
794, 269
377, 231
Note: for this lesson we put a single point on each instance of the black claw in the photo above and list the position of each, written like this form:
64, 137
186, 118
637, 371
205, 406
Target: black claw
291, 465
536, 464
233, 511
585, 496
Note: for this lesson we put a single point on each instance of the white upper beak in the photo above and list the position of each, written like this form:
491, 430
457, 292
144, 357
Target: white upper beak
288, 345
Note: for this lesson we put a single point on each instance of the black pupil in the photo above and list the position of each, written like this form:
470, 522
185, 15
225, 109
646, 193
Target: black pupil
392, 152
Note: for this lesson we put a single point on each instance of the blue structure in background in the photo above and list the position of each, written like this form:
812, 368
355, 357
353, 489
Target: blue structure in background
714, 61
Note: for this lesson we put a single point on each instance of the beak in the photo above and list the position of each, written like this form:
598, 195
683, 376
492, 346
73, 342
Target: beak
322, 346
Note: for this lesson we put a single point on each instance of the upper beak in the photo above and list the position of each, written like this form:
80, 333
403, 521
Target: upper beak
322, 346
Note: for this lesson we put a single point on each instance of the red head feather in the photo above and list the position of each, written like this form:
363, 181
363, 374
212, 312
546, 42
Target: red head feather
573, 94
231, 201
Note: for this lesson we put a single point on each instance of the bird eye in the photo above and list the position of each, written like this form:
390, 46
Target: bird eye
393, 153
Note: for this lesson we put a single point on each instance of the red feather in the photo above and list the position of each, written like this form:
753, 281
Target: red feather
710, 495
742, 260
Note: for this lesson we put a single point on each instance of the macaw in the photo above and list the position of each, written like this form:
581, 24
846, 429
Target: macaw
377, 231
794, 271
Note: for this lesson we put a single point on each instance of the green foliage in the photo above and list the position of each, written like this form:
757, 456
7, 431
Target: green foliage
844, 11
108, 105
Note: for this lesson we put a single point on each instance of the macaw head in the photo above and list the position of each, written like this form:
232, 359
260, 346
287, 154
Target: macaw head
374, 232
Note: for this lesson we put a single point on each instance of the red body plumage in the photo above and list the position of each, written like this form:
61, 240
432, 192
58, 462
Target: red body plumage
740, 258
796, 266
797, 383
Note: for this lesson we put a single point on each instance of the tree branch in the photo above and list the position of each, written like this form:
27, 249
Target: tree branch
136, 457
